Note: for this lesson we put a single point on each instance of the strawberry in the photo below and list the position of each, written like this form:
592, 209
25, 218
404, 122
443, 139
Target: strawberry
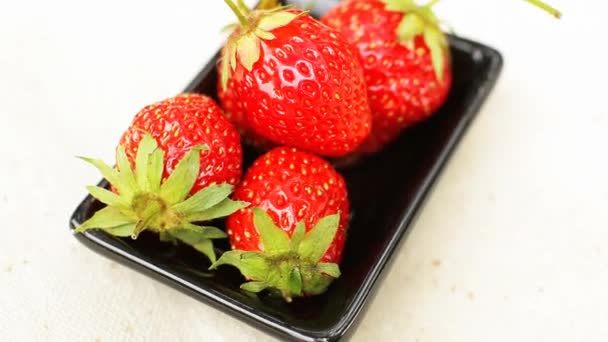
291, 238
184, 121
405, 58
176, 165
297, 81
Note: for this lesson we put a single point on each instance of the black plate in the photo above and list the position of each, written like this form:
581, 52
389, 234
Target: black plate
387, 192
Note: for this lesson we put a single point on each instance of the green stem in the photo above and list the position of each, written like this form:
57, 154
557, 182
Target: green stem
244, 22
242, 6
545, 7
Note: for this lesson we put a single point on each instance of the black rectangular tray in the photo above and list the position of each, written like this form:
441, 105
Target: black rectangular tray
386, 190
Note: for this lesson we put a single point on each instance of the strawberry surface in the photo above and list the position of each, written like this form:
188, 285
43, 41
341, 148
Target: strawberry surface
234, 111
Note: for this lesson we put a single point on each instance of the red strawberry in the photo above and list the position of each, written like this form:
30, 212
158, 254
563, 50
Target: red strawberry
233, 108
405, 58
291, 192
184, 121
298, 81
176, 164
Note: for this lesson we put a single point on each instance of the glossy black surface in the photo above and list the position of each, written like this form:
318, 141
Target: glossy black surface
386, 191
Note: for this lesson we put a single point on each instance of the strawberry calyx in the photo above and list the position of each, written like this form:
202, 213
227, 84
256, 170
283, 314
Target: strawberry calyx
144, 201
290, 265
243, 45
420, 20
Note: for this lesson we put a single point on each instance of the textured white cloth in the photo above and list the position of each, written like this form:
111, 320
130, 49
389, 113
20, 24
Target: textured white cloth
510, 247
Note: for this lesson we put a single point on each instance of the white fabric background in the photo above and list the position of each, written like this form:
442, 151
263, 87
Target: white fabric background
510, 247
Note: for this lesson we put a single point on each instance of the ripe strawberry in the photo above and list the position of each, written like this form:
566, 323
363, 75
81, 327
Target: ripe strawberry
297, 81
176, 165
184, 121
291, 192
405, 58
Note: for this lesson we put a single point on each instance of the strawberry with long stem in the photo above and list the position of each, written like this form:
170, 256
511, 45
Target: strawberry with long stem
406, 61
